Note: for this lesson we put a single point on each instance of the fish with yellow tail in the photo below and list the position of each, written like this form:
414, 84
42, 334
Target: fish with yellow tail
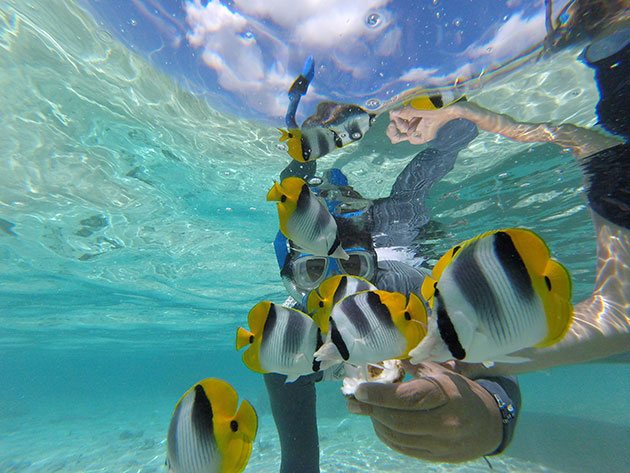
321, 300
305, 220
334, 125
372, 326
207, 433
279, 340
493, 295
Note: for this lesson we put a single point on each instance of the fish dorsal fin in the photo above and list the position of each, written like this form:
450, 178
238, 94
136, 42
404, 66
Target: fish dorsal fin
222, 396
428, 289
292, 187
394, 301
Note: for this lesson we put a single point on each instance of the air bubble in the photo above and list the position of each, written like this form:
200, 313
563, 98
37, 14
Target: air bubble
248, 35
133, 22
373, 20
457, 22
435, 2
373, 103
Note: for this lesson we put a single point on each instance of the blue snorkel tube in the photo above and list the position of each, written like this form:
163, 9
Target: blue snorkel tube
297, 90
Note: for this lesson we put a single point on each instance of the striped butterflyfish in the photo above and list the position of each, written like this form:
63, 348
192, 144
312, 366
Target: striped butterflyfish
372, 326
334, 125
279, 340
305, 220
207, 433
321, 300
493, 295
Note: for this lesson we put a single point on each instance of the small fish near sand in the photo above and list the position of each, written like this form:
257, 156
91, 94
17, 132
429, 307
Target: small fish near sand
321, 300
493, 295
279, 340
305, 220
372, 326
207, 433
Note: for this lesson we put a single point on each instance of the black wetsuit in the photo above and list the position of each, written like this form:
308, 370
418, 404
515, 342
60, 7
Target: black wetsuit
609, 171
397, 220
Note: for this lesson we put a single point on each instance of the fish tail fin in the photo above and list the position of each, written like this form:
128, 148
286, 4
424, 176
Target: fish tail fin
243, 338
558, 307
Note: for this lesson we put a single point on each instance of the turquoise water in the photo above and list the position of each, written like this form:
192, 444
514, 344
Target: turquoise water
135, 237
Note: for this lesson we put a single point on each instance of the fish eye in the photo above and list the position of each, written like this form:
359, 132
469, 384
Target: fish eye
290, 135
407, 316
321, 304
283, 198
234, 426
251, 339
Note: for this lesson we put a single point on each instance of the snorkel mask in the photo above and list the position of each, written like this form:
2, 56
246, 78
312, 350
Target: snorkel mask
302, 272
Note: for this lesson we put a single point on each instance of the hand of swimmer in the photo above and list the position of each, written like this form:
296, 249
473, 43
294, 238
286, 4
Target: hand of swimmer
418, 126
438, 416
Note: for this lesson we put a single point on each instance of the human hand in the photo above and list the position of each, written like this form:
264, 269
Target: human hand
438, 416
418, 126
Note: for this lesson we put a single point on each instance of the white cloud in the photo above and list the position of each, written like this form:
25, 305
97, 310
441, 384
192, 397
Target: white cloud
257, 72
511, 40
231, 49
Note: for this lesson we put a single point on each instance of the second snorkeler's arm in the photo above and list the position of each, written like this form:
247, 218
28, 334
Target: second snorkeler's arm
419, 126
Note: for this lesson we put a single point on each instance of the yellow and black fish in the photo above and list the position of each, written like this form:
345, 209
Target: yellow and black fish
321, 300
280, 340
372, 326
305, 219
333, 126
207, 433
493, 295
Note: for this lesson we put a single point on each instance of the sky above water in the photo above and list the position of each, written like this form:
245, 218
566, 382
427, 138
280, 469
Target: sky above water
244, 54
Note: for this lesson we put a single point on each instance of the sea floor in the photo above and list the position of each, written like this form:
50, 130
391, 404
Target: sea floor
556, 432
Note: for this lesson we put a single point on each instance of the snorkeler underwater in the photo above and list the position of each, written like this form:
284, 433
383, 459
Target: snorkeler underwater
314, 236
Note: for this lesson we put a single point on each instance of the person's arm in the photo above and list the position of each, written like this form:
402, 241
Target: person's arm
398, 218
441, 415
293, 406
419, 126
